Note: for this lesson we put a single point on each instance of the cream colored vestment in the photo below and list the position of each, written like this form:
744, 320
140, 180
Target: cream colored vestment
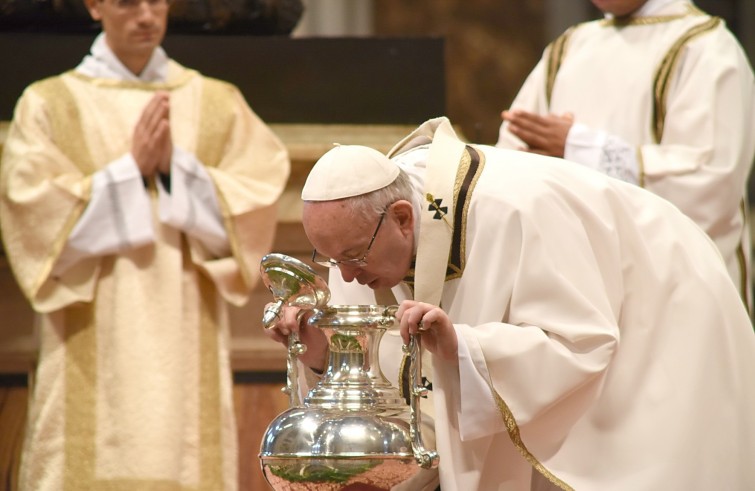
133, 387
602, 344
676, 86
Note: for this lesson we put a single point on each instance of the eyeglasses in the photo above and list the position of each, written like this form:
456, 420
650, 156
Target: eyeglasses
317, 258
134, 5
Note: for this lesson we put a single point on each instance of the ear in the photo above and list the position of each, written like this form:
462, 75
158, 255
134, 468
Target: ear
403, 211
93, 6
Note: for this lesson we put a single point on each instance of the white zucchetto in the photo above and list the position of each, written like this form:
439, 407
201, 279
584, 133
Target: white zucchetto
348, 170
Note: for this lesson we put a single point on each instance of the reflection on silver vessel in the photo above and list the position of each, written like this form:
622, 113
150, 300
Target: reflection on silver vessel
353, 427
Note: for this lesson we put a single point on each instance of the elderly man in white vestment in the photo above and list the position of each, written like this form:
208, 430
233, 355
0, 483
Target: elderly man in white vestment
137, 199
582, 332
657, 94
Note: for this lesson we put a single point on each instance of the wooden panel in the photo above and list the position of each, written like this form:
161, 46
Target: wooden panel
13, 400
256, 406
18, 343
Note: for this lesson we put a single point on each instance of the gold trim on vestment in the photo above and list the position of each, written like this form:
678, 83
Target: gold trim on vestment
404, 386
214, 131
557, 49
216, 121
80, 341
650, 20
176, 82
65, 122
467, 174
640, 169
81, 401
665, 71
210, 444
513, 430
68, 135
744, 286
556, 53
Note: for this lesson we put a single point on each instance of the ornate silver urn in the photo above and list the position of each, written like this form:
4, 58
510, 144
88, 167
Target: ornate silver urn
353, 427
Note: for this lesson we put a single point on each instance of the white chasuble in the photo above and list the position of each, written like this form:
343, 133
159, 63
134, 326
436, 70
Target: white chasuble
601, 338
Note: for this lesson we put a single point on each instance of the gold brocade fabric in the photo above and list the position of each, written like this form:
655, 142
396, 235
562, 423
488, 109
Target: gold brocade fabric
133, 387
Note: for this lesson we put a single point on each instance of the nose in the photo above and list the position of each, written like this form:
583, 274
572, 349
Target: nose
144, 11
349, 273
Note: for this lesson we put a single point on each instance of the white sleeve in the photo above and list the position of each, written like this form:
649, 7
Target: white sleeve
479, 415
117, 217
603, 152
191, 204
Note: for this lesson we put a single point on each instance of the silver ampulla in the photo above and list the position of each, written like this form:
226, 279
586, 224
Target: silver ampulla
353, 427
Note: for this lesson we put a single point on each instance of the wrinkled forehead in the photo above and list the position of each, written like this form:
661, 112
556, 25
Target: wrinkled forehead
326, 210
333, 223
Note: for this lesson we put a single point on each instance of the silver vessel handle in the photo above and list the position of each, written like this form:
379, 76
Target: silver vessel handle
295, 349
272, 314
427, 459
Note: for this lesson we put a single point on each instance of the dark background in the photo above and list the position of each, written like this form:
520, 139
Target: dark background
291, 80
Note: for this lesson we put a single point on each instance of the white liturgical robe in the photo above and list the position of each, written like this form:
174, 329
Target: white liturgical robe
602, 344
665, 99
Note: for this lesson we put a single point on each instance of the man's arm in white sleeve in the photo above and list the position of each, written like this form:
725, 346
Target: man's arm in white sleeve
603, 152
191, 203
117, 217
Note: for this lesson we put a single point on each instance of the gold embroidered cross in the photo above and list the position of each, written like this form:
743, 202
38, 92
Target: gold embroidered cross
440, 211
